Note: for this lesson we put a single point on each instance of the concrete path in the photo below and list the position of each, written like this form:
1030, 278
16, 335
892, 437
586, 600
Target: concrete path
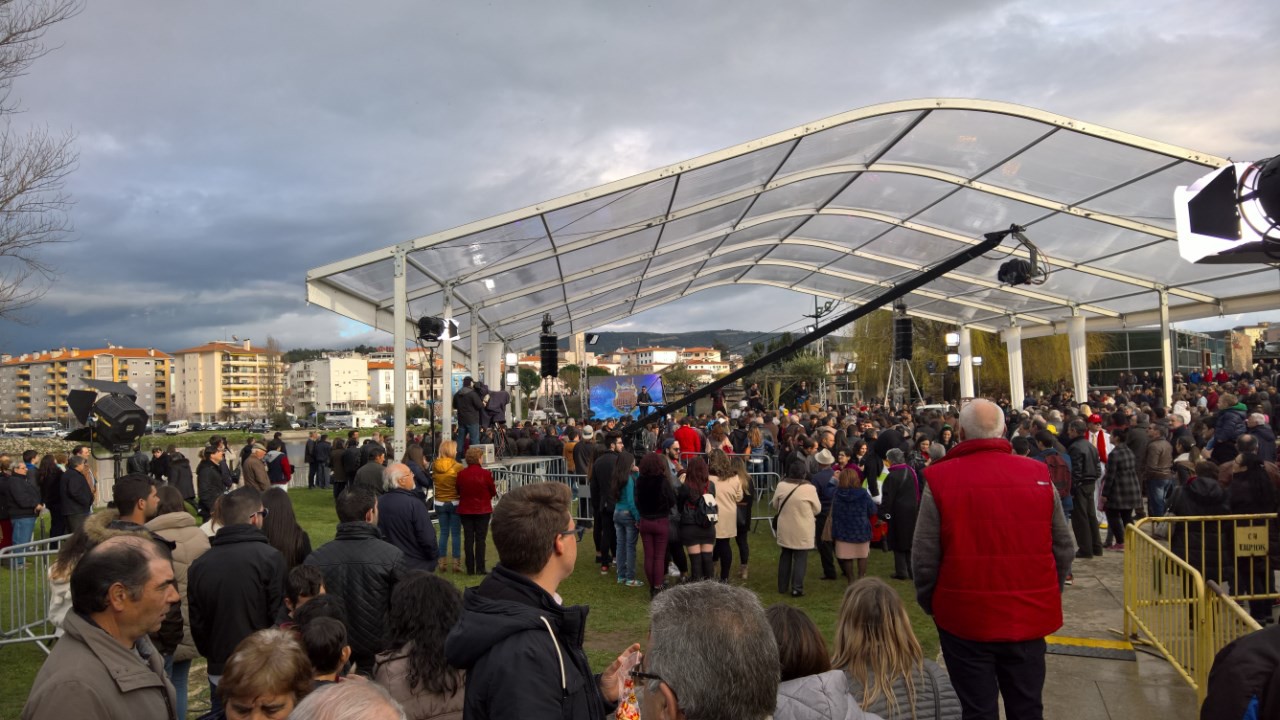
1081, 688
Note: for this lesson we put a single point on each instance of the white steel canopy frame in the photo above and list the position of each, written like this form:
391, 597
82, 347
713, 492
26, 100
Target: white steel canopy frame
839, 208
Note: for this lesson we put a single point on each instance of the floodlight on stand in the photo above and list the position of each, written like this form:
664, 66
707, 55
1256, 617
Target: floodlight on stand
851, 367
953, 359
512, 360
953, 339
513, 379
113, 420
592, 338
976, 360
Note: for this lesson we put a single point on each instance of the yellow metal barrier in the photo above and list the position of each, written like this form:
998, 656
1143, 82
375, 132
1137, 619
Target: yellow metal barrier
1167, 597
1164, 598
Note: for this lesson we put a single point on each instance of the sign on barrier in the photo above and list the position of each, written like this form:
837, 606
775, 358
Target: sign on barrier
1251, 541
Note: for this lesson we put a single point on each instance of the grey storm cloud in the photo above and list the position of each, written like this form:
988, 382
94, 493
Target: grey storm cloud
226, 148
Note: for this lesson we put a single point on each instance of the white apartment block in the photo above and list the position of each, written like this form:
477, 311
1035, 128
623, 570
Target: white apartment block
335, 382
381, 379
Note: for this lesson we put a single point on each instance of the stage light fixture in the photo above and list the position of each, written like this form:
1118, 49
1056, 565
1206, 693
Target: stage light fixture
114, 420
592, 338
953, 339
977, 361
512, 360
851, 367
513, 379
434, 329
1231, 215
953, 359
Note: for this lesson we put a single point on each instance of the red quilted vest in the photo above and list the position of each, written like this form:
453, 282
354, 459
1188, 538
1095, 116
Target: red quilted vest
998, 581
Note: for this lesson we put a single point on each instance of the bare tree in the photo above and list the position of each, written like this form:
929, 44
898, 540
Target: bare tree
34, 163
272, 377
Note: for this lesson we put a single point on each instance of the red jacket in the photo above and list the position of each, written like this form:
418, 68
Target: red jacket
475, 491
998, 581
690, 441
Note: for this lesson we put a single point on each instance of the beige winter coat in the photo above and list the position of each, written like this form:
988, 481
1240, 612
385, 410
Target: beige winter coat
392, 673
795, 523
728, 493
253, 473
181, 528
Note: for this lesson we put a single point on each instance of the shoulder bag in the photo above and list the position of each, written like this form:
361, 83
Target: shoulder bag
773, 521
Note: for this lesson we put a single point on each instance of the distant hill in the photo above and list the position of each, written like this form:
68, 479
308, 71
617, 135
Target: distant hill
736, 340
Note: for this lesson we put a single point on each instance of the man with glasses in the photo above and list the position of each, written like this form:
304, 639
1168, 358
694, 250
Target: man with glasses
236, 588
519, 643
708, 625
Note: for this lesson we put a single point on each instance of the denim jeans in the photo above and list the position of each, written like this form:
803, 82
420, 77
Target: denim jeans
177, 672
465, 431
1156, 490
23, 528
450, 527
625, 526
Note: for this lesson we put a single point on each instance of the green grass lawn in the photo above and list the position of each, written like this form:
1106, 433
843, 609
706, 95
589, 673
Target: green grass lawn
619, 615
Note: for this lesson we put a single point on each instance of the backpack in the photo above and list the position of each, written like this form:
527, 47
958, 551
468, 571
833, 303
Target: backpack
1059, 474
706, 511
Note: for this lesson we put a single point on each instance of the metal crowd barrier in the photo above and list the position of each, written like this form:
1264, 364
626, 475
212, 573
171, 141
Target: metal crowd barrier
505, 480
554, 464
25, 617
1233, 550
764, 484
1167, 598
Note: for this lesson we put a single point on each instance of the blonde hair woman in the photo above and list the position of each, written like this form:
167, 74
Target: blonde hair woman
444, 472
879, 653
729, 493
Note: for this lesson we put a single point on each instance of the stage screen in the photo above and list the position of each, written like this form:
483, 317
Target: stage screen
616, 396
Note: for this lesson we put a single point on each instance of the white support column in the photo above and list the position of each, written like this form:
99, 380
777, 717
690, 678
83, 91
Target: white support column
493, 365
966, 363
1166, 353
1079, 359
399, 379
446, 371
1012, 337
516, 403
475, 347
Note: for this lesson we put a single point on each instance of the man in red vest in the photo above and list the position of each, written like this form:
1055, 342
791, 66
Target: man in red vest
991, 552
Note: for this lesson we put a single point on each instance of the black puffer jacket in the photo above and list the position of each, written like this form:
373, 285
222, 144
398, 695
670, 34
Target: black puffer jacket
362, 569
210, 482
1244, 680
233, 590
180, 475
1189, 541
523, 653
405, 523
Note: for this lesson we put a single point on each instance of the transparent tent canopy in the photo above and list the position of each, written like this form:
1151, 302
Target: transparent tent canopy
841, 208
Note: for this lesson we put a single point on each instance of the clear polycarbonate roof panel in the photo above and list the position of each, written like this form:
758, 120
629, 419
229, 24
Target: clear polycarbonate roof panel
808, 194
897, 194
606, 251
966, 143
616, 211
891, 181
1069, 167
804, 254
1149, 199
855, 143
751, 170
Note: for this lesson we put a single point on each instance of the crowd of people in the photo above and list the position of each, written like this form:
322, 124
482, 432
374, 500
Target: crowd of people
142, 588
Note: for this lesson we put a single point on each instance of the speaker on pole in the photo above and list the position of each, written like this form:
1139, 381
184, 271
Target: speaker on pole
902, 338
550, 346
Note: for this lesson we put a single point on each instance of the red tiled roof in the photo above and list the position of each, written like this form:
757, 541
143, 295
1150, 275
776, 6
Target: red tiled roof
87, 354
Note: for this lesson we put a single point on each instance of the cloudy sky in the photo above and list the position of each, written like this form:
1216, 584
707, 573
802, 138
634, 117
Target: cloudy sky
226, 148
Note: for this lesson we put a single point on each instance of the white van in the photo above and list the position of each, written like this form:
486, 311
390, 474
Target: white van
177, 427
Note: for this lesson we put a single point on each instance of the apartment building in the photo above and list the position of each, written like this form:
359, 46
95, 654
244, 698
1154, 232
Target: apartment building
381, 378
334, 382
34, 386
227, 380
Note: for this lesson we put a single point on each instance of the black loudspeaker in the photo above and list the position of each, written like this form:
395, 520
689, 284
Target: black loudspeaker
902, 338
550, 346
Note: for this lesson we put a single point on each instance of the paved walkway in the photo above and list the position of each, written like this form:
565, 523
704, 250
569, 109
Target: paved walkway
1082, 688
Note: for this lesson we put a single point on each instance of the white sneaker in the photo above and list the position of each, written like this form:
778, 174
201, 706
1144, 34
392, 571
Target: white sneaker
672, 571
